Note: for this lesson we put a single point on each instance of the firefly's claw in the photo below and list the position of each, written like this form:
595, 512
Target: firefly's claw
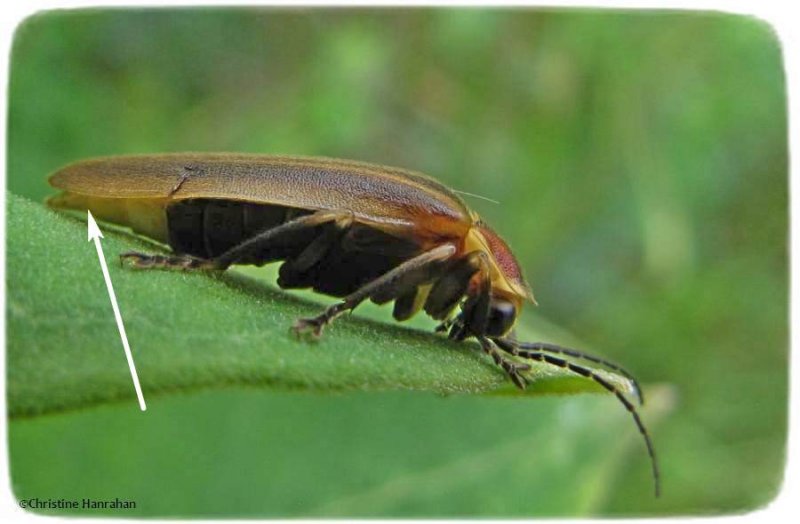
446, 325
514, 372
313, 326
136, 259
518, 379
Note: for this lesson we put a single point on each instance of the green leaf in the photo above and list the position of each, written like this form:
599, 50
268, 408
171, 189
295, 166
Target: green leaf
257, 452
191, 330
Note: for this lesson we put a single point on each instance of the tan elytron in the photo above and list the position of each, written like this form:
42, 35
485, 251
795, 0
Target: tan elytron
134, 191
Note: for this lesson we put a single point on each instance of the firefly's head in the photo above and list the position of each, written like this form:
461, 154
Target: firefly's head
507, 291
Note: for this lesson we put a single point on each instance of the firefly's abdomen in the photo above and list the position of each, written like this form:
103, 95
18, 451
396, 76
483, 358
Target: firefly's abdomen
207, 228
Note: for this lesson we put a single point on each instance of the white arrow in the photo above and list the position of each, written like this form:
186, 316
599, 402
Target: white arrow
96, 235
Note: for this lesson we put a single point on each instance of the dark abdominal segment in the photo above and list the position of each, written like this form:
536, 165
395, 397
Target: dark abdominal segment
325, 257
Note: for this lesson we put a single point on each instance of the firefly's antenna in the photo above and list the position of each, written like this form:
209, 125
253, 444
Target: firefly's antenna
546, 347
475, 196
514, 348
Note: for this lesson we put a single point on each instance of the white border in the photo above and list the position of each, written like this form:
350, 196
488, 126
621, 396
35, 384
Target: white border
776, 12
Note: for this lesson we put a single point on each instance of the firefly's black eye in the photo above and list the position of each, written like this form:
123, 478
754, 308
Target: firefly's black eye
502, 315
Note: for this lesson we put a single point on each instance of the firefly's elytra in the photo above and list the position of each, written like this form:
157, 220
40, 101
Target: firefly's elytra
347, 229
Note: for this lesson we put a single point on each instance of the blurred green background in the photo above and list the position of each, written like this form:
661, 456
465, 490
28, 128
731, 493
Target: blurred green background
640, 163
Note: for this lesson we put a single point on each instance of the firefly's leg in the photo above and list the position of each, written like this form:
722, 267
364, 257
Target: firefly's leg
178, 262
294, 272
440, 298
453, 285
511, 368
388, 286
475, 312
253, 244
